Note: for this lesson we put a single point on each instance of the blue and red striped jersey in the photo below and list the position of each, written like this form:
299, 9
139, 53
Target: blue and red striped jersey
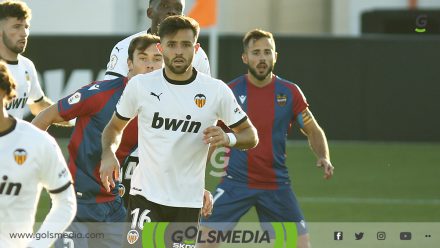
93, 106
272, 109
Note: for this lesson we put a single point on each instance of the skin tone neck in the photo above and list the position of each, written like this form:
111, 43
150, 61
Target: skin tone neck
259, 83
5, 121
179, 77
7, 54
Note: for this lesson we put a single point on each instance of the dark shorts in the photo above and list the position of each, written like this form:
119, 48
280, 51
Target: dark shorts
232, 200
96, 225
141, 210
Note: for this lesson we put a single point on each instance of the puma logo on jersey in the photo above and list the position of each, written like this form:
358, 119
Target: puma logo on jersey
176, 124
154, 94
9, 188
119, 49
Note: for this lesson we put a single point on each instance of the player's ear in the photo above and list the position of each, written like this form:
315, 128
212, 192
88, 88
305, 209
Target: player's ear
159, 47
276, 57
196, 47
244, 58
150, 12
130, 64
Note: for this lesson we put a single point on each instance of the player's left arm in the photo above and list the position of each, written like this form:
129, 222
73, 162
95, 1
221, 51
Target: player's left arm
244, 136
40, 105
318, 142
56, 178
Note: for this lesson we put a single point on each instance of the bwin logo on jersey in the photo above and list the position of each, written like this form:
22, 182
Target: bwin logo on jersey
9, 188
200, 100
17, 103
20, 156
175, 124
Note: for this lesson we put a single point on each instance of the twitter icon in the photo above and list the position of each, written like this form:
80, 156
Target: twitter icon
359, 236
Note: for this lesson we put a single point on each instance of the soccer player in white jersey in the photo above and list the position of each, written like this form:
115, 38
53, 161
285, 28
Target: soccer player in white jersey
157, 11
177, 110
14, 31
30, 160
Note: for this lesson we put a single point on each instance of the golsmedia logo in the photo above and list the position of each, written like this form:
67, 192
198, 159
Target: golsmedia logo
158, 234
175, 124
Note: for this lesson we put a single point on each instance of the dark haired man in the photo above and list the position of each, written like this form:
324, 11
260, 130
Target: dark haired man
259, 177
175, 131
14, 31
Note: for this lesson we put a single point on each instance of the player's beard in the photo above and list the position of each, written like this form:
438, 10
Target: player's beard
260, 77
177, 70
11, 46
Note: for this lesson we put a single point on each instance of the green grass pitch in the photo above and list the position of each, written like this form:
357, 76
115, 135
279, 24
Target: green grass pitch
373, 182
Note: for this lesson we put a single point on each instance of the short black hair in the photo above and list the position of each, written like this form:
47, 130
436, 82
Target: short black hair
141, 43
172, 24
255, 35
17, 9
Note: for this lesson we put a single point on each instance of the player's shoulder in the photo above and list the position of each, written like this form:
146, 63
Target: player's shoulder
207, 79
236, 81
24, 61
147, 79
286, 83
126, 41
32, 133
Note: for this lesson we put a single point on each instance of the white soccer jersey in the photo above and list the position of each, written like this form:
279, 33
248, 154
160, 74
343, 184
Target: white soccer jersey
117, 66
171, 120
28, 87
30, 160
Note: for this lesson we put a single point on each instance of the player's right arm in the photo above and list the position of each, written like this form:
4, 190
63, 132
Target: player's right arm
47, 117
126, 109
111, 138
80, 103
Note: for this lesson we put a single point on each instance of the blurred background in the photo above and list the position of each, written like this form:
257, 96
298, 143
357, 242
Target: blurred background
369, 69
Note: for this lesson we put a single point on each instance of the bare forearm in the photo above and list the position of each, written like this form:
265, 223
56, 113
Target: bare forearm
47, 117
247, 138
318, 143
111, 138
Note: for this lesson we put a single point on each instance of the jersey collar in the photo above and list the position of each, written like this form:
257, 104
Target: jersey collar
11, 128
176, 82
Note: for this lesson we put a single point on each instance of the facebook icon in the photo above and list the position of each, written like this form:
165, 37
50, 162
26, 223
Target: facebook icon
338, 236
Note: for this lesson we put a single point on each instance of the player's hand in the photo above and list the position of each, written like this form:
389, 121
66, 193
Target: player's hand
109, 168
208, 202
327, 166
215, 136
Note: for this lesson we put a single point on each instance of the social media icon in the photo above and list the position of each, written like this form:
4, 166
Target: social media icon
405, 236
359, 236
381, 236
338, 235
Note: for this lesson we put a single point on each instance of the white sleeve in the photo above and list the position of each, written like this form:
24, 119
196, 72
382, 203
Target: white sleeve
35, 93
61, 214
117, 65
201, 62
230, 111
54, 174
127, 106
